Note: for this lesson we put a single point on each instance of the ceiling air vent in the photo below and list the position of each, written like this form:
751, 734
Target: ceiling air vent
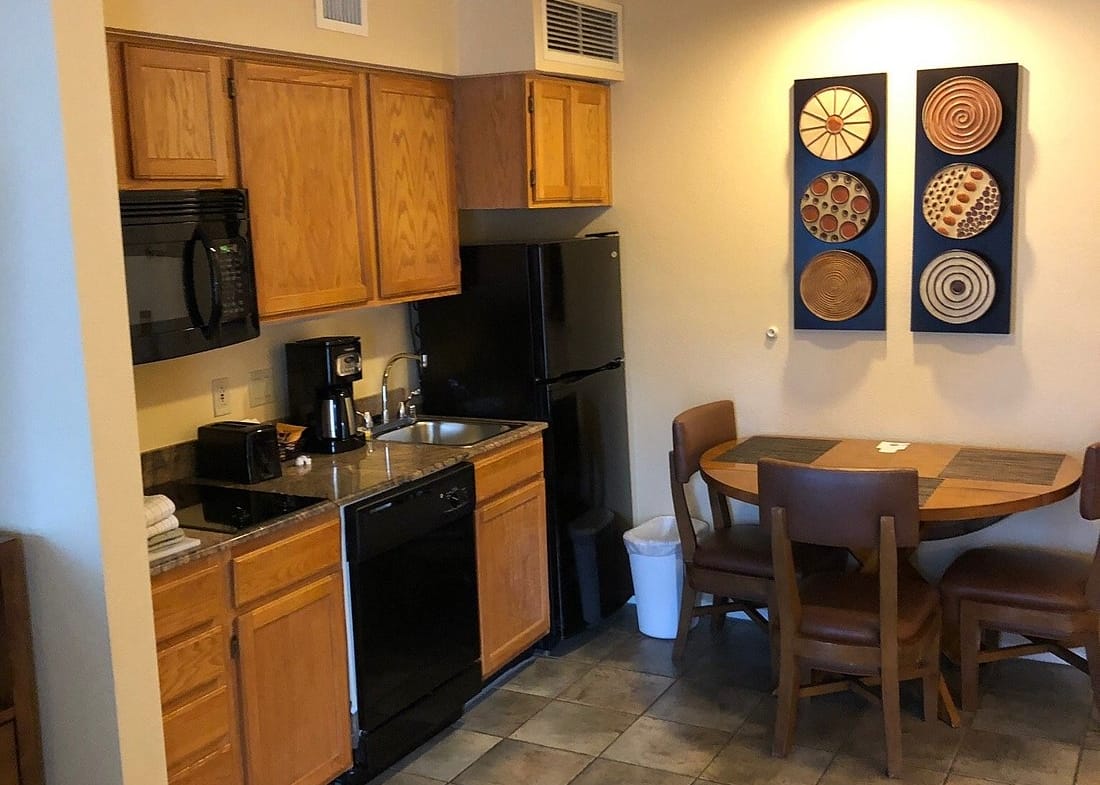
345, 16
584, 32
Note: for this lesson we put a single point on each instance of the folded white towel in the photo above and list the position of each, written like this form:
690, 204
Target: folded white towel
165, 537
157, 508
173, 548
166, 525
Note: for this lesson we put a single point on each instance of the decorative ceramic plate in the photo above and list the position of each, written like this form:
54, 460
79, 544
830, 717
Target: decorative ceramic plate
962, 115
835, 123
961, 201
836, 207
957, 287
836, 285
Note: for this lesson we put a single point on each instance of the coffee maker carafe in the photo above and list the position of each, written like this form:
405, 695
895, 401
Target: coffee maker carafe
320, 372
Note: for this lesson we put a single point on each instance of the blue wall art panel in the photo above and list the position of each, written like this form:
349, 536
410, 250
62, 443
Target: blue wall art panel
964, 199
839, 203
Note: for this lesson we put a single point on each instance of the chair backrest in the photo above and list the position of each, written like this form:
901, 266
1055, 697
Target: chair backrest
697, 430
693, 433
1090, 483
840, 507
1090, 510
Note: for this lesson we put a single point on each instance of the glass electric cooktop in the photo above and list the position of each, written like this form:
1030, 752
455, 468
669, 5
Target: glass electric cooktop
214, 508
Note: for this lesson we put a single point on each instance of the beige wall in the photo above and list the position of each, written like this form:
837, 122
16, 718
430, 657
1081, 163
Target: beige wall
417, 35
703, 167
174, 396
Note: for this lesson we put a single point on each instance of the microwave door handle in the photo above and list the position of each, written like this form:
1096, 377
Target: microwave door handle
200, 238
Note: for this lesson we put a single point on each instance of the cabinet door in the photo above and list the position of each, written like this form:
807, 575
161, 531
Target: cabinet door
305, 163
591, 149
294, 686
414, 164
513, 584
177, 115
551, 142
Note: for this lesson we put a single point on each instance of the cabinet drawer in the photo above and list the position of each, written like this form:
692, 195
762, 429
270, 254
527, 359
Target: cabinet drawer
187, 602
509, 466
216, 769
283, 563
197, 729
191, 665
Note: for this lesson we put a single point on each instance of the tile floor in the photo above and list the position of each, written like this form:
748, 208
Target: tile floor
611, 708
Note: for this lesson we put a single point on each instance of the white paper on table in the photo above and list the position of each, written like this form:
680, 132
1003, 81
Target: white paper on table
891, 447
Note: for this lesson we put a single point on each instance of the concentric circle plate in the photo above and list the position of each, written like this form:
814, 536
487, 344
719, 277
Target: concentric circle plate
961, 201
836, 207
835, 123
962, 115
836, 285
957, 287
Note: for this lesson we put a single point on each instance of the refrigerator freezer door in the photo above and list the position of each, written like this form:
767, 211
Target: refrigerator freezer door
575, 287
588, 488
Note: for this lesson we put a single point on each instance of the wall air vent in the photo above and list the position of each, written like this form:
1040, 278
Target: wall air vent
345, 16
584, 32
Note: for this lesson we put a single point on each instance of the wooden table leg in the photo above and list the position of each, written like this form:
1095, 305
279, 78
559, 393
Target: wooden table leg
949, 712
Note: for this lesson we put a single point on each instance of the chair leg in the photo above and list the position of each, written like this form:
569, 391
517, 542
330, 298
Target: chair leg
687, 608
930, 693
970, 640
1092, 651
718, 620
773, 633
786, 712
891, 718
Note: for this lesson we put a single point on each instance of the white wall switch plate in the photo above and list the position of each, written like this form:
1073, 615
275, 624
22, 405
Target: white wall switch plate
219, 389
261, 390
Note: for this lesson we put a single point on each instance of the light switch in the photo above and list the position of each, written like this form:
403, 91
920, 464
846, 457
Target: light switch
261, 390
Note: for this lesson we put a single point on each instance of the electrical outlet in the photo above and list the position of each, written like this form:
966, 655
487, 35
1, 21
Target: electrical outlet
260, 388
219, 388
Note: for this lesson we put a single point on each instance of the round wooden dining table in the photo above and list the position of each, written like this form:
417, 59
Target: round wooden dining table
962, 488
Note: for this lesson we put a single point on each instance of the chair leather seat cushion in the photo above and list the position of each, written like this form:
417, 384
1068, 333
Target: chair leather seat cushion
843, 607
742, 548
1020, 578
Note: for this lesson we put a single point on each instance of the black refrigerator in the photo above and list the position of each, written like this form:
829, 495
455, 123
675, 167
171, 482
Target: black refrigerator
537, 335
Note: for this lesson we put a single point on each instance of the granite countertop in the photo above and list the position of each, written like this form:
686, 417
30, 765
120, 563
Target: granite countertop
342, 479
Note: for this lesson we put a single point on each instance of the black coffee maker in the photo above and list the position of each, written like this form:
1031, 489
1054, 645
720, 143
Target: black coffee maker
319, 373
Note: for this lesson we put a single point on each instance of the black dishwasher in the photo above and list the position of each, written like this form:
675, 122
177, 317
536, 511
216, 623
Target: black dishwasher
412, 585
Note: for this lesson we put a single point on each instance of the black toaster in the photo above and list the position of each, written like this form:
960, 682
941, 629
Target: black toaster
244, 452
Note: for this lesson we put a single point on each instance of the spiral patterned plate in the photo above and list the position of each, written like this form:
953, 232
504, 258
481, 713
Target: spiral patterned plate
962, 115
836, 285
835, 123
961, 201
836, 207
957, 287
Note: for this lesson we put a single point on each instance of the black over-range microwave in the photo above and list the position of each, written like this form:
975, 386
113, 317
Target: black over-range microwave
190, 281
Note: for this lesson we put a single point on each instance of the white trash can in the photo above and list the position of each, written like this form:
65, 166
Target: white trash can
657, 569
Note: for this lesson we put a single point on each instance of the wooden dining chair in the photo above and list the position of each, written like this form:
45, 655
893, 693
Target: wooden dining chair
1051, 599
868, 628
733, 562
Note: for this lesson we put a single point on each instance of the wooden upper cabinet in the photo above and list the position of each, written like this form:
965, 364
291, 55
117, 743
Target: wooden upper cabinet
551, 141
590, 137
417, 213
532, 141
305, 161
172, 118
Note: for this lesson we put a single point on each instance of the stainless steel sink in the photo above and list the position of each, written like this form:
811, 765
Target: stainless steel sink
451, 433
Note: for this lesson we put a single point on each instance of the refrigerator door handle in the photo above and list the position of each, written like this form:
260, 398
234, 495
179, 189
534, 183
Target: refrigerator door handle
566, 378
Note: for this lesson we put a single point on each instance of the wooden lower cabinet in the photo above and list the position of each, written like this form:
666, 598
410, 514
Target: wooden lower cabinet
512, 566
294, 686
252, 658
192, 623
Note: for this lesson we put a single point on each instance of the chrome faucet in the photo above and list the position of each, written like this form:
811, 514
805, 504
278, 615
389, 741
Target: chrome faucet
420, 359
